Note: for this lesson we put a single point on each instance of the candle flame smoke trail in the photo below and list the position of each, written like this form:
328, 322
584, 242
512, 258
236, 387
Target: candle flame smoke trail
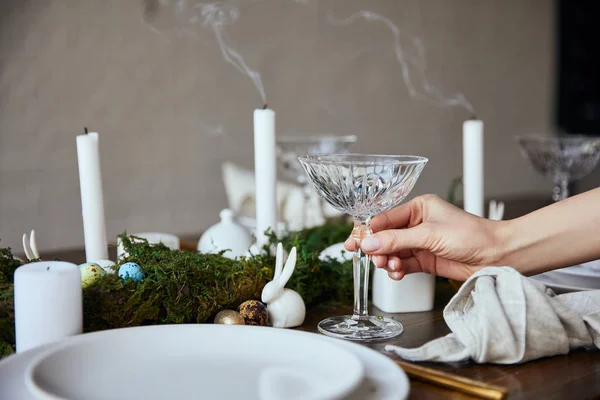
407, 62
217, 16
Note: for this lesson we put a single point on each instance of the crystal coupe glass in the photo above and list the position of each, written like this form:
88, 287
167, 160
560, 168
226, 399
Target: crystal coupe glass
290, 147
362, 185
562, 158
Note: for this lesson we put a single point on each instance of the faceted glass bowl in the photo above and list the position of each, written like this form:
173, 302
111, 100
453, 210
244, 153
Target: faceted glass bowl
561, 158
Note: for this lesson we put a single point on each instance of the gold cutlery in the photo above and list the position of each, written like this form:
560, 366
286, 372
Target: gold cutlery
451, 381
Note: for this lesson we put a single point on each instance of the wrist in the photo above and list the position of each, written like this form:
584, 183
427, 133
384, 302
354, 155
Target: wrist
512, 247
503, 246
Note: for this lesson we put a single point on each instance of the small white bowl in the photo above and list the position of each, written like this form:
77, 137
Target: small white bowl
169, 240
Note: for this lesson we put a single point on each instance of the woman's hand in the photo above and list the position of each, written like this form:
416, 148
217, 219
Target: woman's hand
430, 235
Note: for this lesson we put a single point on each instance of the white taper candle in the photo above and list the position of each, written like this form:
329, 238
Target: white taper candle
92, 200
473, 184
48, 303
265, 168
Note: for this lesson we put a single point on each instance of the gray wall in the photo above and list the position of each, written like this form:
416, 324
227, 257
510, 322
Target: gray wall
170, 110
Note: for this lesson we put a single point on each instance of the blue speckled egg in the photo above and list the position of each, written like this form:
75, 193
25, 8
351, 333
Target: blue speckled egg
131, 270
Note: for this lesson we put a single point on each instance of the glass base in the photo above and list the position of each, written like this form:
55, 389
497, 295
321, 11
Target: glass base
362, 329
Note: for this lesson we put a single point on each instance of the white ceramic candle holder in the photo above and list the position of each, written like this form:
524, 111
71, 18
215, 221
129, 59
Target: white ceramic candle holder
413, 293
169, 240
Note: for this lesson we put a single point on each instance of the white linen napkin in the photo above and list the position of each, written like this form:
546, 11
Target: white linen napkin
500, 316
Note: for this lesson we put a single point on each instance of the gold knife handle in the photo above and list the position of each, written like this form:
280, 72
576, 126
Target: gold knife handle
451, 381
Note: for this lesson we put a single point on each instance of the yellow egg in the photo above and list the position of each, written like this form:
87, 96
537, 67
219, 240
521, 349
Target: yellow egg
90, 272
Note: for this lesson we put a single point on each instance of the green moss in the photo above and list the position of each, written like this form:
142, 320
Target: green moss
320, 281
453, 188
8, 265
190, 287
178, 287
7, 319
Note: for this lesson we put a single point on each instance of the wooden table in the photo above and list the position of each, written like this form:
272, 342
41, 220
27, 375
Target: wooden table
573, 376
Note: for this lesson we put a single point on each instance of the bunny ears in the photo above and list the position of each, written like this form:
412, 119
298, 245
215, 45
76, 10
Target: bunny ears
496, 210
30, 246
284, 273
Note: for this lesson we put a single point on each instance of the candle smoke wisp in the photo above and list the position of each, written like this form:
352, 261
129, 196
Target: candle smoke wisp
412, 66
216, 16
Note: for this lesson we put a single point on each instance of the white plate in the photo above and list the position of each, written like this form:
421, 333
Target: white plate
572, 279
590, 269
176, 361
384, 380
558, 288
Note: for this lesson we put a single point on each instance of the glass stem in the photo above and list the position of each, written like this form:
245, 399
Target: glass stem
362, 264
561, 188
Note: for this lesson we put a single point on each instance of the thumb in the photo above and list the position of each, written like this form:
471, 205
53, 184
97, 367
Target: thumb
395, 240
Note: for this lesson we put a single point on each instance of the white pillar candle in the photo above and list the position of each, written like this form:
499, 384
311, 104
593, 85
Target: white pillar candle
265, 167
473, 186
48, 303
92, 200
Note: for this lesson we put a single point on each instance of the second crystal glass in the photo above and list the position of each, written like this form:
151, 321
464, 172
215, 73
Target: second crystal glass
562, 158
362, 185
290, 147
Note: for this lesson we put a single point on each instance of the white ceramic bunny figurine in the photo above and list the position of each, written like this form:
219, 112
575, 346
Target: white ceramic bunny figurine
285, 307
